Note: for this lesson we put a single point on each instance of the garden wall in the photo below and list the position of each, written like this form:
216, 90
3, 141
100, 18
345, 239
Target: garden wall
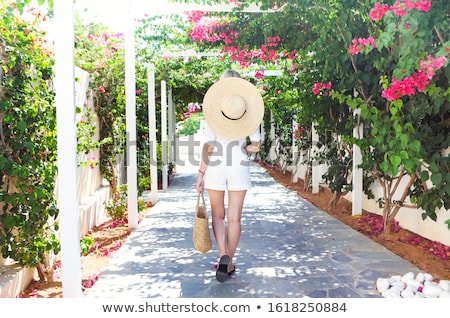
410, 219
93, 192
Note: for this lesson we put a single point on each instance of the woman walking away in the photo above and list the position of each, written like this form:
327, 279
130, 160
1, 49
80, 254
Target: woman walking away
233, 110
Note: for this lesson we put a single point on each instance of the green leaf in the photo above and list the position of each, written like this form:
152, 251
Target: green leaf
404, 155
409, 165
393, 110
404, 139
384, 166
410, 127
447, 189
396, 161
10, 222
424, 175
415, 146
436, 178
448, 223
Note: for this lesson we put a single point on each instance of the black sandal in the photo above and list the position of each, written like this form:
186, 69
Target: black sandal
230, 273
221, 273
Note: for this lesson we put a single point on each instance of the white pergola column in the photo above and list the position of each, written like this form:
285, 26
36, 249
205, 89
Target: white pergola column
67, 149
164, 134
294, 154
316, 175
171, 114
152, 134
357, 186
130, 94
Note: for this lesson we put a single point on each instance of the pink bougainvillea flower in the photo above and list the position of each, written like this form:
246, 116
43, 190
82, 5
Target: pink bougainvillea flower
195, 16
321, 88
378, 12
273, 41
259, 75
423, 5
358, 45
316, 88
353, 49
292, 69
418, 80
102, 89
398, 9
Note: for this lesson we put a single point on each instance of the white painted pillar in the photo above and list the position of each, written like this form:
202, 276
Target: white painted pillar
152, 135
272, 152
294, 153
357, 186
316, 174
67, 149
130, 95
164, 134
171, 114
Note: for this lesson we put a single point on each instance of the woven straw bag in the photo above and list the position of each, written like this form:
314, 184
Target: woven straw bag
201, 236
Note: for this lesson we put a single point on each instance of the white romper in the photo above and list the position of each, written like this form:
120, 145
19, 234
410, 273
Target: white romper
228, 167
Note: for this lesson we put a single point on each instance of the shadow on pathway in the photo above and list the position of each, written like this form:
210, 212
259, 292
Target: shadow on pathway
288, 249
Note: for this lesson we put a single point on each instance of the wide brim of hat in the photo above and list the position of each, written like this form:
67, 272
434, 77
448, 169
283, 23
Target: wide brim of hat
214, 99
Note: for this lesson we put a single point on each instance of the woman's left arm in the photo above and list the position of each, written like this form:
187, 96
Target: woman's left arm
253, 147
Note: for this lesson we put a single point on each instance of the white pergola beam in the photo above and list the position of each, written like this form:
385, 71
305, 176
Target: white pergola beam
174, 7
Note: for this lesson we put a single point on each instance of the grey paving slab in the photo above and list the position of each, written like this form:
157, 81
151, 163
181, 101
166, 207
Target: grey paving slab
288, 249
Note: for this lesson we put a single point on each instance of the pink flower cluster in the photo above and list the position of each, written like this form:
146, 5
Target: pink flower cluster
399, 9
418, 80
259, 75
297, 131
195, 16
321, 88
205, 30
245, 56
430, 65
92, 161
194, 108
358, 45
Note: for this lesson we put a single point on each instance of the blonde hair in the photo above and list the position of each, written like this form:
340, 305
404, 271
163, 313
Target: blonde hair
230, 73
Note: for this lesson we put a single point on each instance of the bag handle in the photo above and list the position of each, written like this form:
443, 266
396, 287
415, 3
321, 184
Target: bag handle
200, 194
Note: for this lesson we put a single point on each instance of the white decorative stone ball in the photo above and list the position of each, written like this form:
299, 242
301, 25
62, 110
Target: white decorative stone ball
408, 276
392, 293
395, 278
382, 285
432, 290
445, 294
428, 277
420, 277
399, 285
415, 285
407, 293
445, 285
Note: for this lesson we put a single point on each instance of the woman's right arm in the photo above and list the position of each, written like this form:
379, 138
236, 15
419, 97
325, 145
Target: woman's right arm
204, 159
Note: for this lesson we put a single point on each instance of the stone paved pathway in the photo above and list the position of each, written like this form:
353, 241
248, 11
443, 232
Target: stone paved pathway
288, 249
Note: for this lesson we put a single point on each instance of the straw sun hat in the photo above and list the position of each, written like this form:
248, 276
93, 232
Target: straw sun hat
233, 108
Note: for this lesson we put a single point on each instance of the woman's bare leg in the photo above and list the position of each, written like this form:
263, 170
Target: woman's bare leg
216, 199
234, 214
